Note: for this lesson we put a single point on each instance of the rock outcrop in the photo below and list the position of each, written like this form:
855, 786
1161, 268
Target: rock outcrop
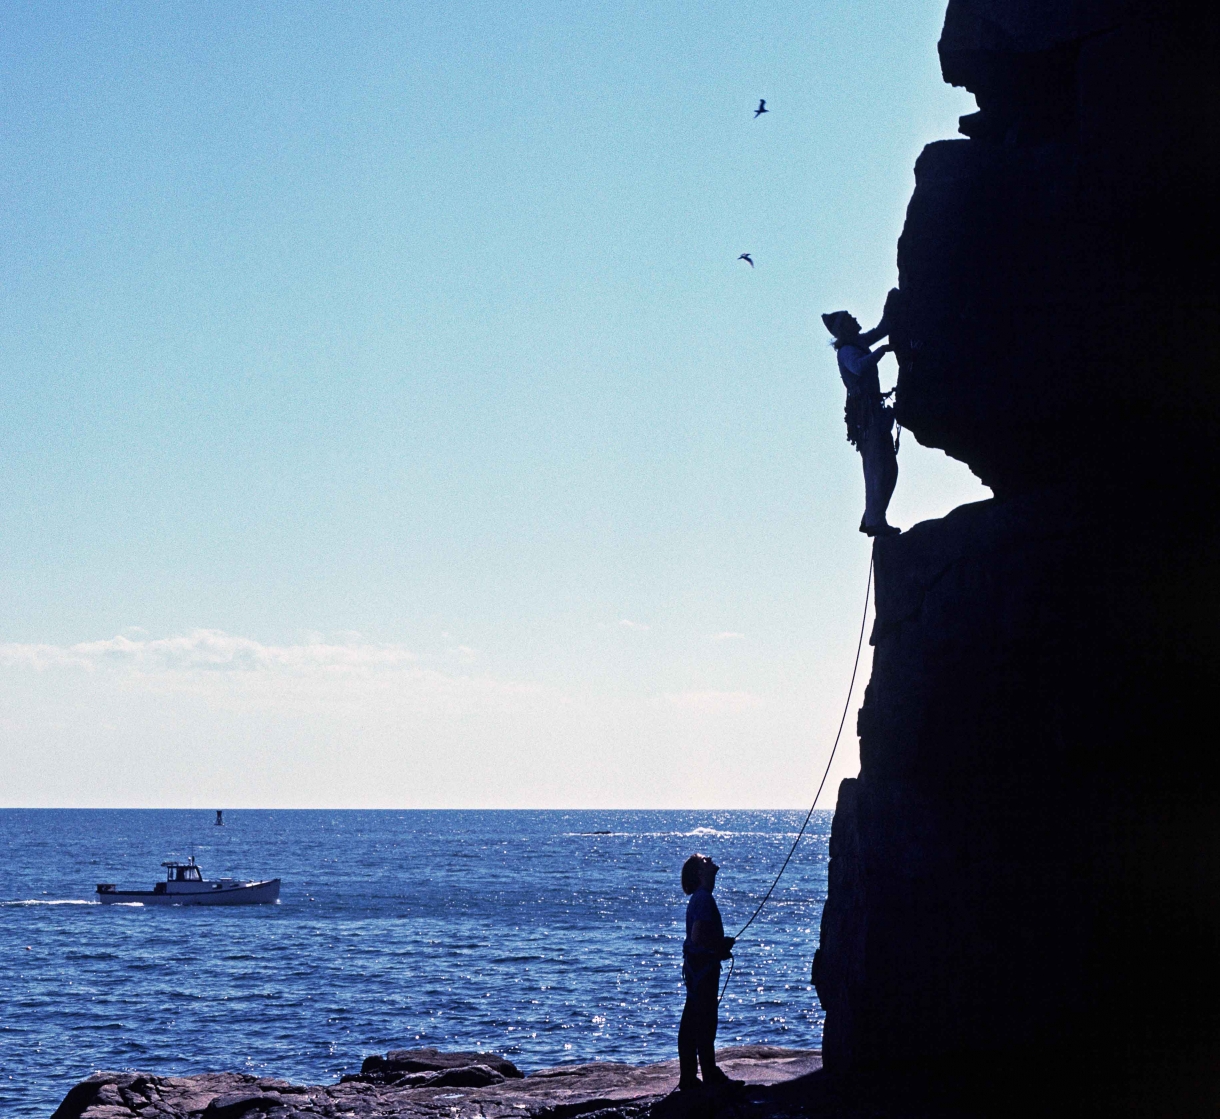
430, 1068
1026, 873
1058, 268
426, 1084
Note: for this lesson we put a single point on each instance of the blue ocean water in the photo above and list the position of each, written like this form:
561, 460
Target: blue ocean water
547, 936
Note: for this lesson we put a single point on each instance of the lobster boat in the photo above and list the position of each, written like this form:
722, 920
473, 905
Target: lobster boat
185, 885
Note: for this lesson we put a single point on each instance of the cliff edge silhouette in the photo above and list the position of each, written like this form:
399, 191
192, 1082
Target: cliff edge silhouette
1025, 876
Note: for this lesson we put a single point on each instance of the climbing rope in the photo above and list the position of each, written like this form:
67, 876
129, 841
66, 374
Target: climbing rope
821, 784
726, 981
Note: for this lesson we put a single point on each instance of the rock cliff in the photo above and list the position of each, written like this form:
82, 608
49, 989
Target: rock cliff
1058, 267
1026, 872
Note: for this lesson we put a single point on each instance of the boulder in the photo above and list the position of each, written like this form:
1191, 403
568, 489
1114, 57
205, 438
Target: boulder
417, 1067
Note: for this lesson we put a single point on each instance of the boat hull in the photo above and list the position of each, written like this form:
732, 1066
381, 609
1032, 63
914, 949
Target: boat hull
244, 893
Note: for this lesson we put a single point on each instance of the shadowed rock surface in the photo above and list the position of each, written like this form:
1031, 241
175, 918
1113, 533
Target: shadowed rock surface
420, 1068
1057, 269
463, 1086
1024, 885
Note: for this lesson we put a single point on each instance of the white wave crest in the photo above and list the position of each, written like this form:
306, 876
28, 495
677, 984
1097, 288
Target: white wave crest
48, 901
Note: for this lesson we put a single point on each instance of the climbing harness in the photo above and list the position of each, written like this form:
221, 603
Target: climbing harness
821, 784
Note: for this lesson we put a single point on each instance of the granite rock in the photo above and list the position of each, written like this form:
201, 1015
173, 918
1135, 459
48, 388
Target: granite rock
418, 1068
1024, 884
1027, 869
600, 1090
1056, 270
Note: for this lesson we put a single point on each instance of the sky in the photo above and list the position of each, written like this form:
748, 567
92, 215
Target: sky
386, 419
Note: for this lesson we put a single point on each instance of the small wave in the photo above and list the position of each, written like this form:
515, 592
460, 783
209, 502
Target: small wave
697, 833
48, 901
599, 834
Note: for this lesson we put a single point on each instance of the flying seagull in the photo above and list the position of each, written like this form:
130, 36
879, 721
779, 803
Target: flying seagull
746, 258
762, 108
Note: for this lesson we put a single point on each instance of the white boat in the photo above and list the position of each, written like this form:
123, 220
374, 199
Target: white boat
185, 885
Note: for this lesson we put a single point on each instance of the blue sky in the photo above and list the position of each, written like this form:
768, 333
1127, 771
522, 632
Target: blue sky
380, 393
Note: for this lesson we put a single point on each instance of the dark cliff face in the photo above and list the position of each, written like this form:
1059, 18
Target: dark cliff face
1058, 267
1029, 856
1028, 867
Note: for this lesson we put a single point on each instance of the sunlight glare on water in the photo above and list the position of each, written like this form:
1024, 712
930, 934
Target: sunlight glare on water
545, 936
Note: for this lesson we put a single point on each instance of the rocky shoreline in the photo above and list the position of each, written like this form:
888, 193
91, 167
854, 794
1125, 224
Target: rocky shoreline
427, 1084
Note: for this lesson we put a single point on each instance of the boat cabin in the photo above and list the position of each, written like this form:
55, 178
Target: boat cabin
183, 872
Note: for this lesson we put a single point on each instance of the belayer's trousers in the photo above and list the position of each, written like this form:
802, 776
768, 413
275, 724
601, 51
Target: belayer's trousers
697, 1030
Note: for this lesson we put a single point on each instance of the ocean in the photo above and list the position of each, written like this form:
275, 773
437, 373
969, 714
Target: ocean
549, 937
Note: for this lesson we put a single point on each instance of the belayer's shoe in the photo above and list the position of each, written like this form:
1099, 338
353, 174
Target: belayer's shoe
721, 1079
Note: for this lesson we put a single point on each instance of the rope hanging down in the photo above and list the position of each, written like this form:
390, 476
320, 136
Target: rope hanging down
821, 784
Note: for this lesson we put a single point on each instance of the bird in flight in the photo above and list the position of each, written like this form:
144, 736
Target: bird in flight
762, 108
746, 258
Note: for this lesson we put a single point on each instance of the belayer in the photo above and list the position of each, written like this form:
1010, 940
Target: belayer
870, 421
705, 946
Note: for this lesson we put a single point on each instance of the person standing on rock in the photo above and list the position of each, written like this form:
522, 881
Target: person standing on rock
870, 421
705, 946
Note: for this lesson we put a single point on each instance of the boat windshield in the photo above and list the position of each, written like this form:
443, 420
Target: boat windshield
182, 872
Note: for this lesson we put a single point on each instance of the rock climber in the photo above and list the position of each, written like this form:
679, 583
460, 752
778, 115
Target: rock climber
870, 421
705, 946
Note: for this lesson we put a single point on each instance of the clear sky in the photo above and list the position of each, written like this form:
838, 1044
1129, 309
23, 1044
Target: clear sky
386, 419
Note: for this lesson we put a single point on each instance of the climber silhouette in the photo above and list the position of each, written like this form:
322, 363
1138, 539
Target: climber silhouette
870, 421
